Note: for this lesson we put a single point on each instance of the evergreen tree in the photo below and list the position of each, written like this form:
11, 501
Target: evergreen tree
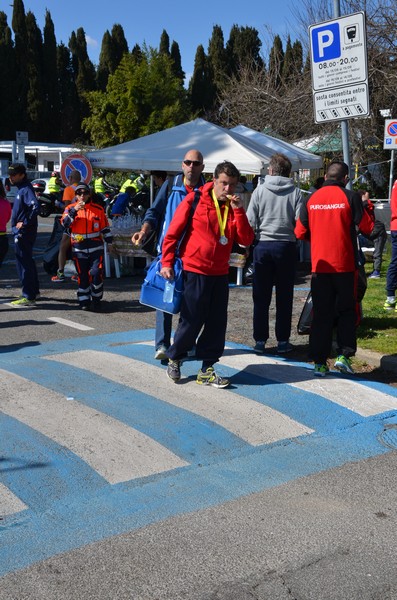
69, 122
243, 49
120, 46
113, 48
288, 63
8, 93
34, 61
50, 126
84, 71
276, 59
164, 47
106, 61
201, 88
177, 62
136, 53
217, 57
21, 73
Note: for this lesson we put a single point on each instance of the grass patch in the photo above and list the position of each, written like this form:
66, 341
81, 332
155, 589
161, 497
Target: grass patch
378, 329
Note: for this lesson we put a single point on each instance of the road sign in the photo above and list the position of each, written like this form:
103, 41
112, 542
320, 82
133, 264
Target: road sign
76, 162
22, 138
339, 68
390, 139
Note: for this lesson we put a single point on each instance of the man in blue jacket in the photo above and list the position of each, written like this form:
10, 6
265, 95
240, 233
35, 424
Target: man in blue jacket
24, 228
162, 211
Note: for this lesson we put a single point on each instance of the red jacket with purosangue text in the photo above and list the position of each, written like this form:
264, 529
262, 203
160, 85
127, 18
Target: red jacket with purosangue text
328, 218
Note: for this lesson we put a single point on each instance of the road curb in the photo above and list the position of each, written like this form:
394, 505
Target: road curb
387, 362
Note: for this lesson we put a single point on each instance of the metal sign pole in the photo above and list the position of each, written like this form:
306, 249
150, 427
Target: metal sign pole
391, 176
344, 124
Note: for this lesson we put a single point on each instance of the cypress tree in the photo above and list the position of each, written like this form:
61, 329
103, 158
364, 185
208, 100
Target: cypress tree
217, 57
201, 89
177, 62
50, 125
106, 61
21, 74
276, 59
8, 104
164, 47
69, 111
119, 45
35, 93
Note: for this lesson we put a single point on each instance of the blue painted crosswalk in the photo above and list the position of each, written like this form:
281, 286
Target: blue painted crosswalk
96, 441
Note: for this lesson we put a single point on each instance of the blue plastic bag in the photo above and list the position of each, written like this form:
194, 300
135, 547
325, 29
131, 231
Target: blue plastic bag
152, 290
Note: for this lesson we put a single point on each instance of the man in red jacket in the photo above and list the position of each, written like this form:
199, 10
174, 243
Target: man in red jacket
328, 218
218, 220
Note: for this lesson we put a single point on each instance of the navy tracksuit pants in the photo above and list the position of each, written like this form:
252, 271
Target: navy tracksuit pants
26, 266
203, 317
274, 265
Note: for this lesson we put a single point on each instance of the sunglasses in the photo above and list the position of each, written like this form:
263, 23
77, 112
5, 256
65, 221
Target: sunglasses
82, 193
195, 163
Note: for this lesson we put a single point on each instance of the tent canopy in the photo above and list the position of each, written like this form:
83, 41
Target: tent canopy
166, 149
300, 159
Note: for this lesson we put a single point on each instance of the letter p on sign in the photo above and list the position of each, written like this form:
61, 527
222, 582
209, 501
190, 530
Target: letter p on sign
326, 42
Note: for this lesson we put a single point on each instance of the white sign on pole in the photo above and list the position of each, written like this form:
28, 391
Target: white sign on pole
22, 138
390, 139
339, 68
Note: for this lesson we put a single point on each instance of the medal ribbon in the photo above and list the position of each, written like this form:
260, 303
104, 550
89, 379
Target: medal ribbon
222, 222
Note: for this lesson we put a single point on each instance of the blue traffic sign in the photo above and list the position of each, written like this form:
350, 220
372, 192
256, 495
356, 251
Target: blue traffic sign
326, 42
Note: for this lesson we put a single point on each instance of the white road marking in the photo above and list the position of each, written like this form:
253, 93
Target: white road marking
9, 503
250, 420
114, 450
348, 393
70, 323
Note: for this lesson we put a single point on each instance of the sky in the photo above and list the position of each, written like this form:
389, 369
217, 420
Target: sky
189, 24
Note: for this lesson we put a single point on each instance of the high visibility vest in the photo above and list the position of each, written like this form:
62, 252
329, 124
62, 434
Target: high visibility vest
53, 185
99, 188
136, 183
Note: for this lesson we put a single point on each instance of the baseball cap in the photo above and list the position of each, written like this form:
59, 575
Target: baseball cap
82, 186
16, 169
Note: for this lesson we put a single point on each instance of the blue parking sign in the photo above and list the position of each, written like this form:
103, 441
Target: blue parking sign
326, 42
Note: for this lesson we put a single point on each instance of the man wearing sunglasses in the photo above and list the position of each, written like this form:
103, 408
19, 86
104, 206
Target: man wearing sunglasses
158, 218
88, 228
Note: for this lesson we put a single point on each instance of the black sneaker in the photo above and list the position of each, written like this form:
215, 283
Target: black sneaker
174, 370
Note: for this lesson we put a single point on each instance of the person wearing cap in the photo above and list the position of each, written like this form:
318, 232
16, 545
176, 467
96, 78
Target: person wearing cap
88, 227
24, 228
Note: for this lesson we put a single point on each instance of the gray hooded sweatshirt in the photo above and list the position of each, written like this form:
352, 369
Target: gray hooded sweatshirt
274, 208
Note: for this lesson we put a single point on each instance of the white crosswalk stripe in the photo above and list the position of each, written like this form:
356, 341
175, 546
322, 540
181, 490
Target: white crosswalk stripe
252, 421
348, 393
114, 450
9, 503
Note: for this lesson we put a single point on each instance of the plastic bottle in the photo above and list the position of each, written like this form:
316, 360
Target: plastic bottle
168, 291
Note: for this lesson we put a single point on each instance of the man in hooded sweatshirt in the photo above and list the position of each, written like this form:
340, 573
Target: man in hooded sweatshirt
272, 212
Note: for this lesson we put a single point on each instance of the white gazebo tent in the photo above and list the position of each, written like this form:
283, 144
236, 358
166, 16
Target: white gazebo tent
165, 150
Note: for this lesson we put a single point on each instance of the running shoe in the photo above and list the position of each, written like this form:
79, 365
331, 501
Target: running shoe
344, 365
389, 305
60, 276
210, 377
174, 370
320, 370
23, 303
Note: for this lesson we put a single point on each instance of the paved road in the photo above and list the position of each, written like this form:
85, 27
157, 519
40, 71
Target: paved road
117, 483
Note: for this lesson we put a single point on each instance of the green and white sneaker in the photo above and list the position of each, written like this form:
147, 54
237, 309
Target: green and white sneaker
23, 303
389, 305
320, 370
344, 365
210, 377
